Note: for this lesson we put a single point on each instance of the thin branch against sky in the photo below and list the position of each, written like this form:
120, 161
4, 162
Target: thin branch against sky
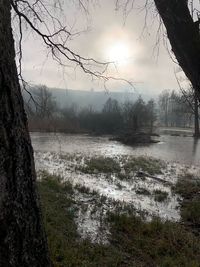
106, 34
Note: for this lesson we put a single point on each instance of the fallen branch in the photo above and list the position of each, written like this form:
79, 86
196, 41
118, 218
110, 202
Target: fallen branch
143, 174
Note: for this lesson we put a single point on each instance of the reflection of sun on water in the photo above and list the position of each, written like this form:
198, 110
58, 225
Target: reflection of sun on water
118, 52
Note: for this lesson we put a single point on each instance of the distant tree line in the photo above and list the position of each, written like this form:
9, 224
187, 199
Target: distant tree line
173, 109
177, 109
44, 114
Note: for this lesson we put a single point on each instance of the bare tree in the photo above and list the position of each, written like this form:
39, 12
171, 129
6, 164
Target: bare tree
196, 115
191, 97
181, 19
45, 103
183, 34
22, 238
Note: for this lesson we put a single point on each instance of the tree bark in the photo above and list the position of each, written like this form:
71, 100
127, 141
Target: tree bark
183, 34
22, 238
196, 115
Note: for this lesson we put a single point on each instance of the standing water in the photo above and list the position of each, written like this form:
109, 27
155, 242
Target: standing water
184, 150
68, 155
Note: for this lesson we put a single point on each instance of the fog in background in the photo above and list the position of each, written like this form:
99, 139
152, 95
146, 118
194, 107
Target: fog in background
148, 65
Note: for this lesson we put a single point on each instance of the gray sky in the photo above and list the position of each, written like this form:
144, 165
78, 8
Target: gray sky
107, 38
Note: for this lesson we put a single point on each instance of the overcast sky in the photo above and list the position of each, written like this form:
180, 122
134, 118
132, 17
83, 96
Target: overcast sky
106, 38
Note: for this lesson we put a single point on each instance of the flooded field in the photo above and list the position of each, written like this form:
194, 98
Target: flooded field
183, 150
108, 175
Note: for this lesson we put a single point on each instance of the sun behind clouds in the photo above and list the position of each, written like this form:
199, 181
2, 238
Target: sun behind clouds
118, 52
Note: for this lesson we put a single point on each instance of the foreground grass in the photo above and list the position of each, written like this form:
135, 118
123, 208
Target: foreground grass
66, 247
155, 243
188, 187
133, 242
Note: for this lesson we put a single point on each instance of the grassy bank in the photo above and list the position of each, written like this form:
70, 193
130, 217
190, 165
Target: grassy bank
66, 247
188, 187
132, 241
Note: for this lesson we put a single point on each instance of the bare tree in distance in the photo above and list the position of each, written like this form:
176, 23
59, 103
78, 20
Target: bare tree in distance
46, 104
190, 96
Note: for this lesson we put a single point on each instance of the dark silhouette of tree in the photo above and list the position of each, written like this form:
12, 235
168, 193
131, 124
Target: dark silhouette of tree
196, 115
183, 31
138, 116
22, 238
183, 34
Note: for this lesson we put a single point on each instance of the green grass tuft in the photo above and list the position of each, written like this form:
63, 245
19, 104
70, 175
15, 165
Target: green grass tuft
160, 196
149, 165
188, 187
143, 191
102, 165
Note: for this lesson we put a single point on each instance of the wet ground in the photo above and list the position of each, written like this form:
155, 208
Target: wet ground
100, 191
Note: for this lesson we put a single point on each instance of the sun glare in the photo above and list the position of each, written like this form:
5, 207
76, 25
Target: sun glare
119, 53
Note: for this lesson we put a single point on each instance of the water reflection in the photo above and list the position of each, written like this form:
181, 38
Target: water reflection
195, 146
185, 150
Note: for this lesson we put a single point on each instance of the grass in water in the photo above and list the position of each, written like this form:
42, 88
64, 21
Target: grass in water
102, 165
133, 242
143, 191
149, 165
160, 196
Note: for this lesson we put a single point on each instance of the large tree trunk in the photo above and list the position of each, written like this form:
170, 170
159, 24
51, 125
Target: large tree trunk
196, 115
184, 37
22, 238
